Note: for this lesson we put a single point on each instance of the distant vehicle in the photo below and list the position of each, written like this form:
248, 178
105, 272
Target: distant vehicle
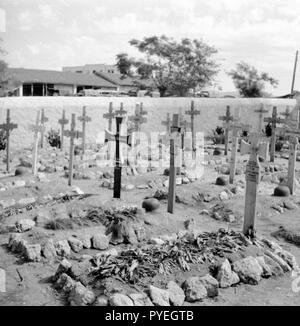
202, 94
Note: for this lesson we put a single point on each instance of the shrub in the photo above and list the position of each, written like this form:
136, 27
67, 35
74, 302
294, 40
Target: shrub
218, 136
279, 145
53, 138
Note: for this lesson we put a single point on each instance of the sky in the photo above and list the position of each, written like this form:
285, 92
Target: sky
46, 34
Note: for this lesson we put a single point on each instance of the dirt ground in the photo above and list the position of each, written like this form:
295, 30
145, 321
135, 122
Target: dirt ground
28, 283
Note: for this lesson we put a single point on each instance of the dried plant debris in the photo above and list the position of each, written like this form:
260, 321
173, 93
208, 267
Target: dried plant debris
287, 235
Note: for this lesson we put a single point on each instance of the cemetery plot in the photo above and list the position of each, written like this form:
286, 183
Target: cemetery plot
176, 237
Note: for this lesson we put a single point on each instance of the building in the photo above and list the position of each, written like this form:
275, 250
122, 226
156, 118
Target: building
32, 82
90, 69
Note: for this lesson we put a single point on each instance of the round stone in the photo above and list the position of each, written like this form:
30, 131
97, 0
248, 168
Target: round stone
221, 181
282, 191
150, 204
21, 171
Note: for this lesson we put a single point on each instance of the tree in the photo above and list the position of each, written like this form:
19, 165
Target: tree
173, 66
249, 82
124, 64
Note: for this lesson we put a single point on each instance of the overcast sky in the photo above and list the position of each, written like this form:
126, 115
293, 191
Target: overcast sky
48, 34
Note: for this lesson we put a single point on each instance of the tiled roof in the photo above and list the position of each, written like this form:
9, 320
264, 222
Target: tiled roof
58, 77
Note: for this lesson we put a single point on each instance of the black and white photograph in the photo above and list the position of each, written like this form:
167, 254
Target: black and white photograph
149, 156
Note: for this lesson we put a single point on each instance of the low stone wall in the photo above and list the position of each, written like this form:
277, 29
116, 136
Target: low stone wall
23, 112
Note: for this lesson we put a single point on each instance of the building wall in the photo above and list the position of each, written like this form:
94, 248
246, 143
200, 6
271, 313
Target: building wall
88, 69
23, 112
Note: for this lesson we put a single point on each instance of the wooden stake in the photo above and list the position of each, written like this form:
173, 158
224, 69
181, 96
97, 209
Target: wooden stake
8, 127
63, 121
84, 119
175, 133
109, 116
226, 118
192, 112
44, 119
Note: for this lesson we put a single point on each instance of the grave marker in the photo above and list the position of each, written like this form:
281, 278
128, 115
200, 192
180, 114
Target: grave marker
118, 168
226, 118
37, 128
163, 138
184, 126
286, 114
192, 112
63, 121
109, 116
261, 112
274, 120
121, 112
8, 127
44, 119
72, 134
255, 149
84, 119
175, 134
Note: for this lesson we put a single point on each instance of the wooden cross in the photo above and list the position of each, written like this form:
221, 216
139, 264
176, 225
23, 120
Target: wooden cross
192, 112
44, 119
236, 126
167, 123
255, 149
72, 134
184, 126
226, 118
109, 116
118, 167
293, 131
175, 134
261, 112
121, 112
37, 128
142, 112
63, 121
8, 127
84, 119
274, 120
163, 138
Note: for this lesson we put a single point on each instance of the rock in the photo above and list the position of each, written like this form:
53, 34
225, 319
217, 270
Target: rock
150, 204
33, 252
42, 217
80, 269
81, 296
120, 300
223, 196
63, 268
110, 252
276, 270
157, 241
101, 301
21, 171
75, 244
282, 191
86, 241
185, 181
248, 270
226, 276
100, 241
178, 181
108, 175
18, 183
159, 297
221, 181
129, 187
26, 201
16, 244
176, 294
7, 203
65, 283
211, 285
62, 248
278, 208
42, 177
267, 272
25, 225
48, 250
140, 300
194, 289
289, 205
141, 187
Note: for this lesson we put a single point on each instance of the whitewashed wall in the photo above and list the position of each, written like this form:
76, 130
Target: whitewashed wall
23, 112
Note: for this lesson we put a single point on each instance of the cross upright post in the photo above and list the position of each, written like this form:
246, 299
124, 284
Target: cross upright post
44, 119
226, 118
121, 112
8, 127
109, 116
192, 112
84, 119
261, 112
63, 121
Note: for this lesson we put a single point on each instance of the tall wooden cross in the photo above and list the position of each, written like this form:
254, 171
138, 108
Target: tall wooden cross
44, 119
293, 131
84, 119
118, 167
175, 136
274, 120
255, 149
192, 112
109, 116
37, 129
236, 126
8, 127
121, 112
226, 118
72, 134
63, 121
261, 112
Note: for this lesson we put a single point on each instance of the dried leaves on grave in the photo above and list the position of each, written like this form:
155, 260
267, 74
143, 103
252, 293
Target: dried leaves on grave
135, 264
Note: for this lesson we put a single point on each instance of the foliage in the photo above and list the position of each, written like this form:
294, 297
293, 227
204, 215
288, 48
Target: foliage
218, 135
53, 138
249, 82
60, 224
278, 145
174, 67
268, 130
2, 140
